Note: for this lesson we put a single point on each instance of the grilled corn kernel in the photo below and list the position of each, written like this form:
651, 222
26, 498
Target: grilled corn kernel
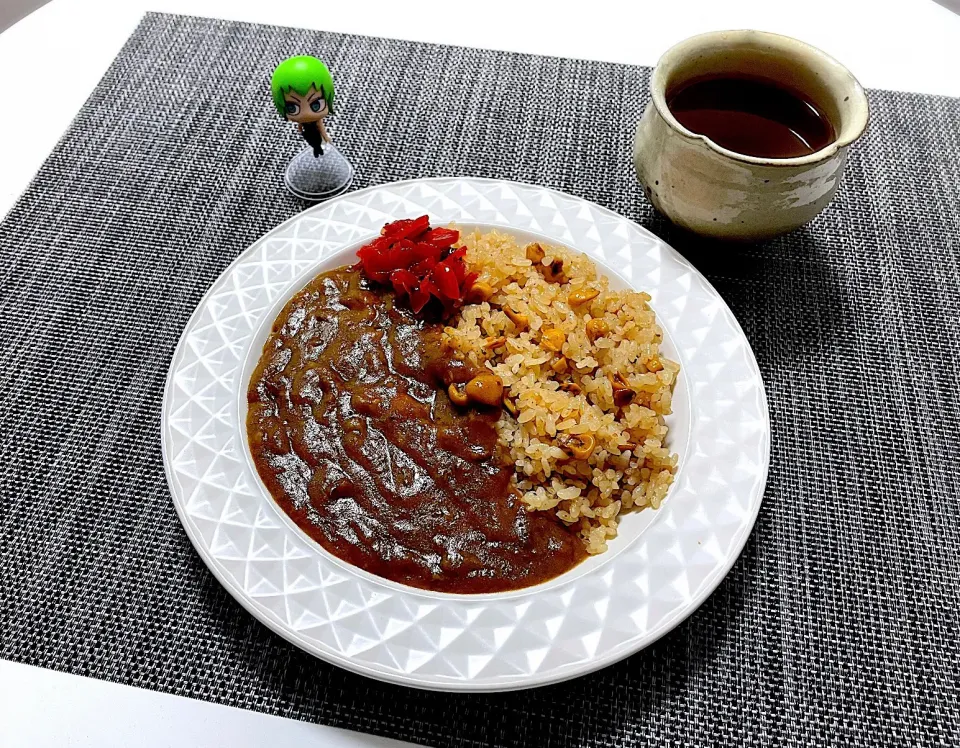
486, 389
578, 446
597, 328
582, 296
478, 293
457, 394
553, 339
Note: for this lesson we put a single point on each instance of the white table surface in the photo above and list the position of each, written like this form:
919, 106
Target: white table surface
41, 708
909, 45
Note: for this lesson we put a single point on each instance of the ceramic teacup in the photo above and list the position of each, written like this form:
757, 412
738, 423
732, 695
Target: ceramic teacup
717, 192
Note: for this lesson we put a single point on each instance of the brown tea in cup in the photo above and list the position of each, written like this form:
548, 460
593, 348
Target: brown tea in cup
751, 115
746, 133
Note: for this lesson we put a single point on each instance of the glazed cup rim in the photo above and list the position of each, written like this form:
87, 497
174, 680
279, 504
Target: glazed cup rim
849, 132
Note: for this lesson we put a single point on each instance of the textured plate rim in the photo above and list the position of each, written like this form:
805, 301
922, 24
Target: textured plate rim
564, 672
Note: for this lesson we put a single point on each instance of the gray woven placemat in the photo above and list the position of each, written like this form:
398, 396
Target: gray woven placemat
839, 623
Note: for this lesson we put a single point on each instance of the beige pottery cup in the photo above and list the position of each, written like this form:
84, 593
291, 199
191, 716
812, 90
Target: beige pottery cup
718, 193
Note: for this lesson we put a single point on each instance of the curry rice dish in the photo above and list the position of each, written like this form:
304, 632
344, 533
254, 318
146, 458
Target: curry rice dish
487, 442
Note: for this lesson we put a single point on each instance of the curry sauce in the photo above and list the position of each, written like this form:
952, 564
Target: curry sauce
353, 433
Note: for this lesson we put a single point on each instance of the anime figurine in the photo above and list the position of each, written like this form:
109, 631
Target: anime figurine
302, 90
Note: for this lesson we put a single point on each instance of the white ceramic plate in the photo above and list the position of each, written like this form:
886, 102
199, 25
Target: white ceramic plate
660, 568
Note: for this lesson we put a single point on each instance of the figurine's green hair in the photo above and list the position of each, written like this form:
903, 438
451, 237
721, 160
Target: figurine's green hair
299, 74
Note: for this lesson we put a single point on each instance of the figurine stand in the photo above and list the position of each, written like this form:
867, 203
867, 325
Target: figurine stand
318, 178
